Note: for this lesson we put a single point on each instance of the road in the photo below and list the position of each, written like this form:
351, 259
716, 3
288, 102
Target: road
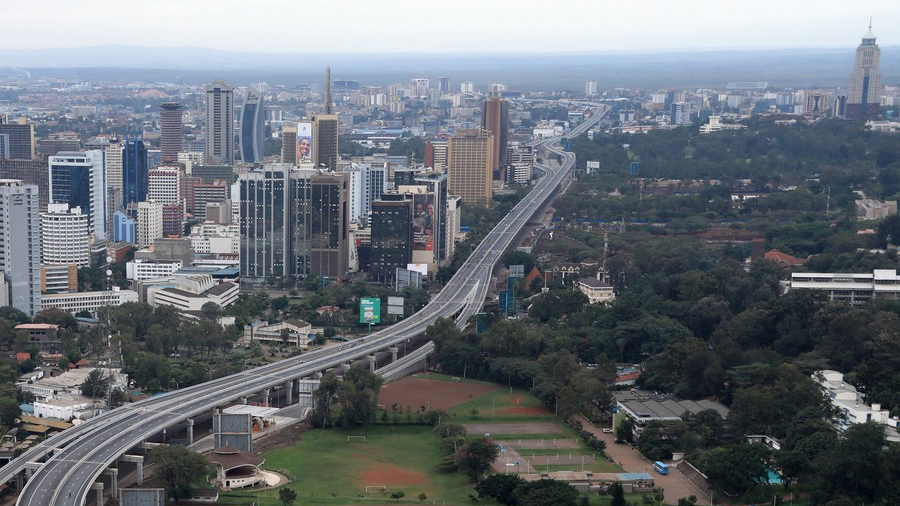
80, 454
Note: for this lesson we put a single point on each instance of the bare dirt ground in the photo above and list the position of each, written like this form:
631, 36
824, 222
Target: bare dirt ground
389, 475
415, 391
282, 438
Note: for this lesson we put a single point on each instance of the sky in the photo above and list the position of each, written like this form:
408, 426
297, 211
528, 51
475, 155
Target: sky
426, 26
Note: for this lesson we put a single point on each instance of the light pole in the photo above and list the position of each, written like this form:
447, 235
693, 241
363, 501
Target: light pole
176, 384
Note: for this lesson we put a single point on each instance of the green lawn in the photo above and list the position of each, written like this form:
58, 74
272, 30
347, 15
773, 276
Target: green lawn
501, 406
326, 469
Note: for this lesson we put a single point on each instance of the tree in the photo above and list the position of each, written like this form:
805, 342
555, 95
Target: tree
501, 487
9, 412
422, 497
287, 496
358, 396
543, 492
96, 384
325, 397
476, 457
212, 311
617, 493
177, 469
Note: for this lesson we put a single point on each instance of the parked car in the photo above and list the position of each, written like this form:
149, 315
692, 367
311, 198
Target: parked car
607, 431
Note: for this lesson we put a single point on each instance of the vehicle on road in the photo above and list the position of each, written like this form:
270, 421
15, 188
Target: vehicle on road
660, 468
607, 431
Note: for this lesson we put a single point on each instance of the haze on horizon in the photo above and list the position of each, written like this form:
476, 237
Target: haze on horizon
471, 26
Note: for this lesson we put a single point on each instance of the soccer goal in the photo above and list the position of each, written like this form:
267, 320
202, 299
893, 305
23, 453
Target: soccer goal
356, 438
376, 489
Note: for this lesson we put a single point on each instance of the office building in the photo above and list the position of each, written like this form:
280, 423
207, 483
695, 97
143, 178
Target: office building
79, 180
20, 247
29, 172
289, 144
58, 141
392, 236
172, 220
253, 126
850, 288
164, 185
171, 131
444, 84
864, 94
124, 228
206, 194
64, 236
495, 119
16, 140
590, 88
293, 223
429, 194
367, 183
680, 113
325, 141
135, 168
470, 166
220, 123
436, 154
149, 223
88, 301
818, 103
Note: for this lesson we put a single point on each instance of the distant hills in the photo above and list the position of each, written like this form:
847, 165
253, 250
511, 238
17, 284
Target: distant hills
540, 71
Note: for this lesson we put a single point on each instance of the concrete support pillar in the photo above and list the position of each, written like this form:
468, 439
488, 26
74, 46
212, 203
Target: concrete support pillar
266, 393
190, 431
243, 400
139, 461
20, 481
372, 362
319, 374
28, 472
289, 388
114, 480
164, 435
394, 351
99, 488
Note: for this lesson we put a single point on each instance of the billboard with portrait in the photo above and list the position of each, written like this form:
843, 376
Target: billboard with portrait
369, 310
424, 222
304, 142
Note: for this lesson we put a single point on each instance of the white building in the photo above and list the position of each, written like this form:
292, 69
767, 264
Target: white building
190, 293
230, 244
20, 246
852, 288
597, 291
141, 270
79, 179
850, 404
590, 88
291, 331
149, 223
164, 185
88, 301
715, 125
64, 236
367, 183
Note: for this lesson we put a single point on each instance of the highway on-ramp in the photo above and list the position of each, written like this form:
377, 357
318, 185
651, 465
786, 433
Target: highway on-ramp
77, 457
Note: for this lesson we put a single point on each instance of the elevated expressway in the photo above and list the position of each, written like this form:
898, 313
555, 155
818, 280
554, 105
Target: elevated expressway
65, 467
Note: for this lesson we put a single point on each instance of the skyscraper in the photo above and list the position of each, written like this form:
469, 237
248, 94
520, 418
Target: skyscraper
135, 167
289, 144
293, 223
392, 235
20, 247
864, 95
470, 166
79, 180
444, 84
252, 127
16, 140
325, 141
220, 122
171, 130
495, 119
149, 223
367, 183
64, 236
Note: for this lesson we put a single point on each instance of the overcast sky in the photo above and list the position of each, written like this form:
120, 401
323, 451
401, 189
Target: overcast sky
365, 26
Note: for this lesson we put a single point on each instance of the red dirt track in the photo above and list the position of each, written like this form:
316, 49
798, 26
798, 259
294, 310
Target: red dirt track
414, 392
388, 475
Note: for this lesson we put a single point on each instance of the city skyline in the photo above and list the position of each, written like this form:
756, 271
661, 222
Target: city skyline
573, 26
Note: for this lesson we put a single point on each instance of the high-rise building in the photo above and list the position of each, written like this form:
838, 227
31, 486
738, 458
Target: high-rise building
115, 160
79, 180
172, 220
29, 172
135, 167
171, 130
495, 119
293, 223
817, 103
16, 140
64, 236
149, 223
220, 122
20, 247
392, 236
467, 87
214, 193
429, 192
470, 166
590, 88
436, 154
367, 183
252, 127
680, 113
864, 95
164, 185
289, 144
444, 84
124, 228
325, 141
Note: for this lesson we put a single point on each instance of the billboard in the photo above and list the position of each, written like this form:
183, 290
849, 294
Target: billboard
420, 268
370, 310
424, 222
304, 142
